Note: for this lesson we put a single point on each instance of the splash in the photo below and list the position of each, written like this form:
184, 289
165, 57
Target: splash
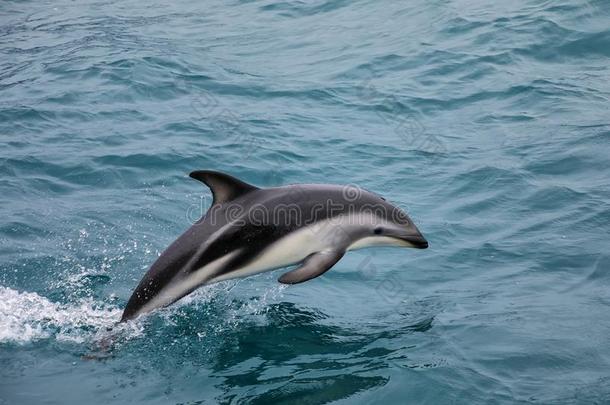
27, 317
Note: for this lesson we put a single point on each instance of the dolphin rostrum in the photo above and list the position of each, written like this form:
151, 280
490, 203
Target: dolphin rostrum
249, 230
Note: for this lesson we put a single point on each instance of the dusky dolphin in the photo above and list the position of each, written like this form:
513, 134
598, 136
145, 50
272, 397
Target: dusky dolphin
249, 230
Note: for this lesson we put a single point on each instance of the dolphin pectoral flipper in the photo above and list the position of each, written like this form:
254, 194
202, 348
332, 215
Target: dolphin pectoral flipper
313, 266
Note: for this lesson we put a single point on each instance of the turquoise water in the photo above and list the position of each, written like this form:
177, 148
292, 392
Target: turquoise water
488, 124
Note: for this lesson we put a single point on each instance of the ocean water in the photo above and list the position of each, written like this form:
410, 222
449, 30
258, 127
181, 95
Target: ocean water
488, 122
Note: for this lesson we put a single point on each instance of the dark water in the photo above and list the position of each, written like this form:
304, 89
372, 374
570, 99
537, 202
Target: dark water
489, 123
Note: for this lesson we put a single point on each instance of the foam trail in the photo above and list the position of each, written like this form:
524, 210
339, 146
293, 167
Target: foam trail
26, 317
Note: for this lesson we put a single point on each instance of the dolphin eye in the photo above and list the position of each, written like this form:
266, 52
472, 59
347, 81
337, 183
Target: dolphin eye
378, 231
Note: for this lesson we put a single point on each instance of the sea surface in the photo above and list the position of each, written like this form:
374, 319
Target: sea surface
488, 122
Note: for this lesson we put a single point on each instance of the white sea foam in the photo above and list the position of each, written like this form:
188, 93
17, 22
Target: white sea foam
27, 317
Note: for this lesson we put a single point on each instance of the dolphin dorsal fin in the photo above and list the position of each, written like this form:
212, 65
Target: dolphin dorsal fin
224, 187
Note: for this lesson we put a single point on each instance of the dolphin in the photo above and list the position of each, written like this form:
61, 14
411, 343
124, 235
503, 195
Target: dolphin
249, 230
